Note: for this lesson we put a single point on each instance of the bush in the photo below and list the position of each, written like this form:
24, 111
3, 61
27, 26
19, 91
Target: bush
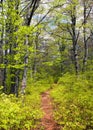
19, 113
73, 102
24, 112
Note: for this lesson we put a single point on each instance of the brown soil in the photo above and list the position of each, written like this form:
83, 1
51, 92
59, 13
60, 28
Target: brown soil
47, 121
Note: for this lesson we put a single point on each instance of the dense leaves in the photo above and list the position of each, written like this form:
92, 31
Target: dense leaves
23, 112
73, 101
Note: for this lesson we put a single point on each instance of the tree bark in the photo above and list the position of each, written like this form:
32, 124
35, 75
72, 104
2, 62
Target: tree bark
24, 79
1, 43
74, 39
34, 5
85, 38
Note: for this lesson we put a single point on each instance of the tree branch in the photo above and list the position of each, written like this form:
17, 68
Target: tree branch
50, 10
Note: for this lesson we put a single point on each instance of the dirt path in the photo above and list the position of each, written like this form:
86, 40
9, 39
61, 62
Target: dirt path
47, 121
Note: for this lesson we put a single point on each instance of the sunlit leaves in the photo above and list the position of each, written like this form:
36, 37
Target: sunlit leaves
73, 103
16, 115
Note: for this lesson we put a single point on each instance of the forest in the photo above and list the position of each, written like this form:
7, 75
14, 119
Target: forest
46, 71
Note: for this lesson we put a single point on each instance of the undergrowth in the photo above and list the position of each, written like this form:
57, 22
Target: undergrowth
24, 112
73, 102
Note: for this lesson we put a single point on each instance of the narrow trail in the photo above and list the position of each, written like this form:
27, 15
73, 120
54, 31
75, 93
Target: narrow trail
47, 121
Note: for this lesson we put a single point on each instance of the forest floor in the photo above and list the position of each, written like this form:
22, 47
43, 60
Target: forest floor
47, 122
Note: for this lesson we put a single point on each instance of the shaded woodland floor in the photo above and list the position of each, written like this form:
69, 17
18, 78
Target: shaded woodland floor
47, 121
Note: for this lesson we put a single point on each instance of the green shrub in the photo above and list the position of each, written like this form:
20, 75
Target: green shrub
24, 112
19, 113
73, 102
38, 87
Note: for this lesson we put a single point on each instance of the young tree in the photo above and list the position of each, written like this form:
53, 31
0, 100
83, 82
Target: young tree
31, 8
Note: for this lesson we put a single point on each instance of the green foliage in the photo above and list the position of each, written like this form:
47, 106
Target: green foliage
20, 113
25, 111
39, 87
73, 101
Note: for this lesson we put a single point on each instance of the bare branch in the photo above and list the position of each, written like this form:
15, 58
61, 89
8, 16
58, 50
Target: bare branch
50, 10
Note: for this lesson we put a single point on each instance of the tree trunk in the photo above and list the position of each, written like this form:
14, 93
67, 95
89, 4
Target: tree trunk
33, 6
85, 40
74, 39
24, 79
35, 55
1, 43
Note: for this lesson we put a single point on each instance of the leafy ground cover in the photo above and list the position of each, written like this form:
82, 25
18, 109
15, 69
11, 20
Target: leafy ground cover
24, 112
72, 99
73, 102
